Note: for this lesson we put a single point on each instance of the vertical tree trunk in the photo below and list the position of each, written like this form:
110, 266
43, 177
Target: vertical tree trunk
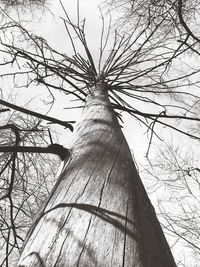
98, 213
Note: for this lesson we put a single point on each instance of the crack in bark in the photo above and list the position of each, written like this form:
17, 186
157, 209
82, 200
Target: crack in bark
113, 248
60, 252
84, 240
107, 178
125, 233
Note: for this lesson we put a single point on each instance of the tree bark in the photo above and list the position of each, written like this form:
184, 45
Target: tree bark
98, 213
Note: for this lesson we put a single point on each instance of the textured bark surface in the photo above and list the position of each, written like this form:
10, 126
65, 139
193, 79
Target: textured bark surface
98, 213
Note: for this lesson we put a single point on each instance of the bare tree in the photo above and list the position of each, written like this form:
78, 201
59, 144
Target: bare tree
25, 180
178, 15
22, 6
175, 171
98, 212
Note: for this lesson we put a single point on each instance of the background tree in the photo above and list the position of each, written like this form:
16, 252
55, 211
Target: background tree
175, 171
137, 69
25, 182
23, 8
179, 17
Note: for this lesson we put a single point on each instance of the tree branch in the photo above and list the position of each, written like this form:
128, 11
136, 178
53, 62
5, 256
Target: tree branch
4, 109
182, 21
56, 149
38, 115
154, 115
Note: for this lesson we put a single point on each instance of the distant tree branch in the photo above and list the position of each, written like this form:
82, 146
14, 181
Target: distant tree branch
154, 115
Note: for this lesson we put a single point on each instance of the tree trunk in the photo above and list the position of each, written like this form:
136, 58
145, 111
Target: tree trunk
98, 213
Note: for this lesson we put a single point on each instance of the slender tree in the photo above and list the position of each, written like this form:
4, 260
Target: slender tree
98, 213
